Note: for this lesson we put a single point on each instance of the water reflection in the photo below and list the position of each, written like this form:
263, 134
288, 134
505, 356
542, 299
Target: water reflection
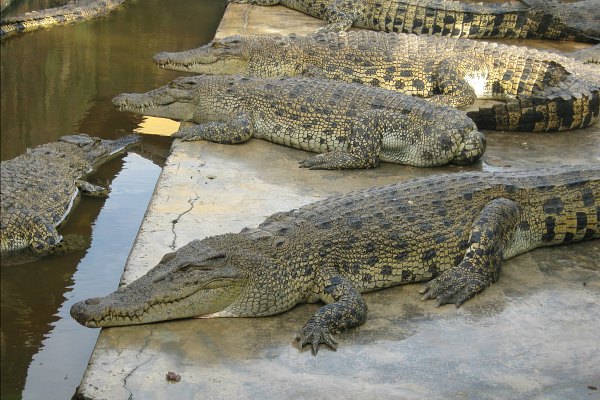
62, 79
113, 234
58, 81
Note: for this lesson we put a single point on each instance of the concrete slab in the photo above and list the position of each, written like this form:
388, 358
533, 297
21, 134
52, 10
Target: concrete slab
531, 335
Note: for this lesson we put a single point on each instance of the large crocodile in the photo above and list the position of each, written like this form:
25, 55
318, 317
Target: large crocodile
454, 18
76, 10
542, 91
38, 190
351, 125
456, 229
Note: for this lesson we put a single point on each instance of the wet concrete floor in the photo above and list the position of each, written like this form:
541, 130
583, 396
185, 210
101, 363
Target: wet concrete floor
531, 335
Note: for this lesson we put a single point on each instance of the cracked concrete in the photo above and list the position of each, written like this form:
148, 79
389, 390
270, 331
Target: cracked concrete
191, 202
534, 334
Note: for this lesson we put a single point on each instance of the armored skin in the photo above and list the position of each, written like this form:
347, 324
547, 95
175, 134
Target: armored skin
541, 91
38, 190
76, 10
546, 20
351, 125
455, 229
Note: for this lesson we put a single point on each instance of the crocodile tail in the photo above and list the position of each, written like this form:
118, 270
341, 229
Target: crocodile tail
541, 114
543, 23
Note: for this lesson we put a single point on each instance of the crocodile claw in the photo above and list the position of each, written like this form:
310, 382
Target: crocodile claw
332, 160
452, 287
314, 334
315, 162
185, 134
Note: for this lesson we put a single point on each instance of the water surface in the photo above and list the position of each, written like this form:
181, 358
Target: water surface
59, 81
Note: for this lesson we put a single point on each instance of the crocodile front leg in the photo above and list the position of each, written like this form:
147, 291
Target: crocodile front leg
70, 243
345, 309
492, 233
452, 83
45, 240
233, 131
364, 146
340, 15
91, 190
42, 233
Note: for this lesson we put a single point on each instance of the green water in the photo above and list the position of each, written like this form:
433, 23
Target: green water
58, 81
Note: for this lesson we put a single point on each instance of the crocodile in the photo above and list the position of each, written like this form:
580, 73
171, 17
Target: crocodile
38, 190
453, 18
76, 10
350, 125
541, 91
451, 230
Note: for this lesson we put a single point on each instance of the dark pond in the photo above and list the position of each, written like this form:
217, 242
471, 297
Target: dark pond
59, 81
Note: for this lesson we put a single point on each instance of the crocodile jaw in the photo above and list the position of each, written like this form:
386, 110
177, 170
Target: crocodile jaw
202, 62
196, 280
155, 104
129, 306
220, 57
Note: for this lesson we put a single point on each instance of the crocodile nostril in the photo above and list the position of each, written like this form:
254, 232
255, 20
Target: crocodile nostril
93, 301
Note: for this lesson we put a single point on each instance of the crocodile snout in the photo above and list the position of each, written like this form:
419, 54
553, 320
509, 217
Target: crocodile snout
86, 312
162, 58
79, 311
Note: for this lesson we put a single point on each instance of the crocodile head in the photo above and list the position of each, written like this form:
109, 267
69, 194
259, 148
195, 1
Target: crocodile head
205, 278
260, 55
182, 97
96, 150
175, 100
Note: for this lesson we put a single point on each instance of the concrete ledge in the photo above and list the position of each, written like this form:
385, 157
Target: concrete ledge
534, 334
531, 335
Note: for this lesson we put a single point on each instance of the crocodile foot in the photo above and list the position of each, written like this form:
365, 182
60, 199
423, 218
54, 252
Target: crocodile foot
186, 134
456, 286
91, 190
314, 334
338, 160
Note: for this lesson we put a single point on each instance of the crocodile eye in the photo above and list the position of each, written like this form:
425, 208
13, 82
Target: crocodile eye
193, 266
207, 264
188, 266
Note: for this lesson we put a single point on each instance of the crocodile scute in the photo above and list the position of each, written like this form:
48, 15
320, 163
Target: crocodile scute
451, 231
